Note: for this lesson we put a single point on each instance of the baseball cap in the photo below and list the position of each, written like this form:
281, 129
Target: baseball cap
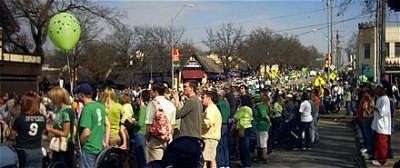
85, 89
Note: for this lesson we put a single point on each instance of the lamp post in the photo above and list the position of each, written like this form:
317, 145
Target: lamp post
329, 51
172, 42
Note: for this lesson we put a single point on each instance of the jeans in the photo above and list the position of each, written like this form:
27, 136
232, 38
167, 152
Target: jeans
314, 131
276, 129
86, 160
253, 137
140, 150
31, 158
244, 149
349, 108
368, 135
304, 127
222, 149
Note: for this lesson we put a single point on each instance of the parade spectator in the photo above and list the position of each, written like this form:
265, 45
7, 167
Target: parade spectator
381, 124
115, 111
365, 115
277, 119
63, 124
347, 99
315, 114
28, 128
223, 148
191, 112
244, 117
305, 121
230, 97
211, 128
125, 101
263, 126
93, 126
14, 108
156, 146
139, 147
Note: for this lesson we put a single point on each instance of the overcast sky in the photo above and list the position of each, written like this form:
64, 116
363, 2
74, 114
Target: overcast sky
298, 17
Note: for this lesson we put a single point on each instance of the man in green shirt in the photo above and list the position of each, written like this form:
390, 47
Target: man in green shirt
263, 126
94, 127
223, 148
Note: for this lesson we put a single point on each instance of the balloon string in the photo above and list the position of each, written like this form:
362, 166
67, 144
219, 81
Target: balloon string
69, 72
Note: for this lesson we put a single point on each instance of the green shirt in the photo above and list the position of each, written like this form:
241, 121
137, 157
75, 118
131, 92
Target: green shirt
225, 109
114, 115
140, 126
262, 114
65, 115
93, 117
243, 116
277, 110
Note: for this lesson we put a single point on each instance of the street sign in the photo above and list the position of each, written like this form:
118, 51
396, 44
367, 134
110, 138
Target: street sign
320, 59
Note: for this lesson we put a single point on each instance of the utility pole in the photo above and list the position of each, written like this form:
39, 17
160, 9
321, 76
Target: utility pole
338, 48
380, 31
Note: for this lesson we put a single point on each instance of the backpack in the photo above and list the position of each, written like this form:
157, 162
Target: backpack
160, 127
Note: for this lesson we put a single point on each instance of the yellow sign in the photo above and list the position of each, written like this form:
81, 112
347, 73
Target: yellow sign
318, 81
332, 76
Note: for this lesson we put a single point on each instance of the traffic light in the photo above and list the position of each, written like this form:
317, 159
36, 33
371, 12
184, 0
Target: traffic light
328, 59
394, 5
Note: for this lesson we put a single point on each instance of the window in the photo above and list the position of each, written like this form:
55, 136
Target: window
367, 51
387, 53
397, 49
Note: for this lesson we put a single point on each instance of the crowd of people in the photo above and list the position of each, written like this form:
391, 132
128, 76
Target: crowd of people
234, 122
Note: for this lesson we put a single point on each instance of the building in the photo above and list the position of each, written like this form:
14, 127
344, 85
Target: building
367, 51
18, 72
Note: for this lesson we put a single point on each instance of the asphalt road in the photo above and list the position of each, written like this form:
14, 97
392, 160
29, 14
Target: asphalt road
335, 149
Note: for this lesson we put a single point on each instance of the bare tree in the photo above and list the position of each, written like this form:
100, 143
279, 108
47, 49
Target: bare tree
35, 15
257, 47
352, 45
226, 43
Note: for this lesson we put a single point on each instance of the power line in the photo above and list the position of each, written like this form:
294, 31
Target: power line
265, 18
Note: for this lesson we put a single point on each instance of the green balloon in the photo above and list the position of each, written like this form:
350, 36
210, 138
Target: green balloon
64, 31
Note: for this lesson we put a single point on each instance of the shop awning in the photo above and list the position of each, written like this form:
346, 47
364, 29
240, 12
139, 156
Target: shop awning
193, 74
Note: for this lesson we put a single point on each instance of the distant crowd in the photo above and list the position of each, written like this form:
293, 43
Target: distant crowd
234, 122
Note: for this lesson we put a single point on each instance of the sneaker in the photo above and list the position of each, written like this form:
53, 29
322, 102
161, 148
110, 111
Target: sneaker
303, 148
308, 149
363, 150
376, 163
296, 149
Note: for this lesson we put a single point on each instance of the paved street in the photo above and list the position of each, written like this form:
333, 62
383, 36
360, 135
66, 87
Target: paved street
335, 149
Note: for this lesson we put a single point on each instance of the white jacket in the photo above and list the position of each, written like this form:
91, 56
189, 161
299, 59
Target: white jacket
382, 117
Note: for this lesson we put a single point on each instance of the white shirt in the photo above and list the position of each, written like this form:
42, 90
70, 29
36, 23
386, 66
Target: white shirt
305, 110
166, 105
382, 117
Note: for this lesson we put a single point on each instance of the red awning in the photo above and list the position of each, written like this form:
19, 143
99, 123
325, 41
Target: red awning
193, 74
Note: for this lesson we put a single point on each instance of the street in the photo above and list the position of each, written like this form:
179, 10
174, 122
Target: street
335, 149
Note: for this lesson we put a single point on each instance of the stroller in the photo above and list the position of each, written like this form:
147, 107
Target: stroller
289, 130
183, 152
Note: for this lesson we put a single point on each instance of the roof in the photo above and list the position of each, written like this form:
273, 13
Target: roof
208, 64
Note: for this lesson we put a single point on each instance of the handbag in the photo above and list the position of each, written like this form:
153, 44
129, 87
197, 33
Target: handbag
58, 144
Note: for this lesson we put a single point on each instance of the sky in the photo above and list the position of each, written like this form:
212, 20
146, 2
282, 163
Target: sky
295, 17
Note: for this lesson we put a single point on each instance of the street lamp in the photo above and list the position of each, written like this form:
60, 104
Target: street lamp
172, 42
329, 52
